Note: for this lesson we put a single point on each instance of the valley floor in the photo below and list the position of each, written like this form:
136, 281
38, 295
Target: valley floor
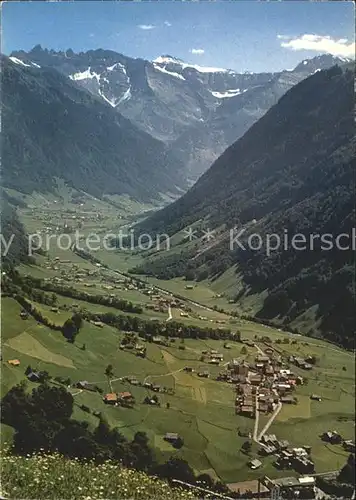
201, 410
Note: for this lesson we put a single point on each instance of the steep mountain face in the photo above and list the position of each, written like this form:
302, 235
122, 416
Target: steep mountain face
291, 173
14, 244
53, 128
199, 111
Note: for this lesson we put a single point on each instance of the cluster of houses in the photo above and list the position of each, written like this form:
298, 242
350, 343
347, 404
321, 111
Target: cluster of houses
298, 459
213, 357
304, 363
160, 303
119, 399
263, 384
134, 347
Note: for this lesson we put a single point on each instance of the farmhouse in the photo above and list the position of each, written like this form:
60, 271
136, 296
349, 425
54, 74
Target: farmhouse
255, 487
99, 324
125, 395
332, 437
171, 437
110, 398
349, 445
247, 410
34, 376
14, 362
290, 486
256, 379
255, 464
158, 340
84, 384
267, 450
262, 359
288, 400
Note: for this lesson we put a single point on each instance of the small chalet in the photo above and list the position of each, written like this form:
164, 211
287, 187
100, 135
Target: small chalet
255, 379
110, 398
14, 362
349, 445
84, 384
34, 376
255, 464
171, 437
332, 437
125, 395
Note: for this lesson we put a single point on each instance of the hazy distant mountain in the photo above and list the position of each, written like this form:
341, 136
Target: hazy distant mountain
293, 170
53, 128
199, 111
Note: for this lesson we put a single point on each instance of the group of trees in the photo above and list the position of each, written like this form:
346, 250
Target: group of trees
30, 284
71, 327
148, 329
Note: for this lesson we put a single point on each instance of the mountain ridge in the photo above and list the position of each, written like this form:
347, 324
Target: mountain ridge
197, 111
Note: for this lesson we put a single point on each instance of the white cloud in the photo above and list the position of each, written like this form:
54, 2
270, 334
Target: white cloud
284, 37
198, 52
146, 27
337, 47
167, 23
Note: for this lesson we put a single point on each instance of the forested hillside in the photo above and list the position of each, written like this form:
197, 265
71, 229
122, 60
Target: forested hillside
291, 172
52, 128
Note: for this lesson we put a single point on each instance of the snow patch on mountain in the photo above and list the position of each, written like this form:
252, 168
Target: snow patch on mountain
111, 102
167, 60
164, 60
21, 63
172, 73
114, 66
227, 93
84, 75
125, 97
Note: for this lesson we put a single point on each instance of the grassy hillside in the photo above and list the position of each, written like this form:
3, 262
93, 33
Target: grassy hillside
53, 476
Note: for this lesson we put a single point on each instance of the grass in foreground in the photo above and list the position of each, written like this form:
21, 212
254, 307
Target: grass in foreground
55, 477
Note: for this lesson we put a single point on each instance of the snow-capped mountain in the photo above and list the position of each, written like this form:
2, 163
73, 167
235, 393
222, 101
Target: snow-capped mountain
197, 110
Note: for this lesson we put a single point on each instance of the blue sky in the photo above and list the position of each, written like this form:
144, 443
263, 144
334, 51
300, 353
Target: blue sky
241, 35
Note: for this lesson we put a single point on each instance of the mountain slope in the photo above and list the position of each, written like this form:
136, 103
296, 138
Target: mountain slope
203, 143
292, 171
14, 244
52, 128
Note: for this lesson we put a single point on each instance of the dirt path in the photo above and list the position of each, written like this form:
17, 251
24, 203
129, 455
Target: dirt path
257, 418
270, 421
169, 313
